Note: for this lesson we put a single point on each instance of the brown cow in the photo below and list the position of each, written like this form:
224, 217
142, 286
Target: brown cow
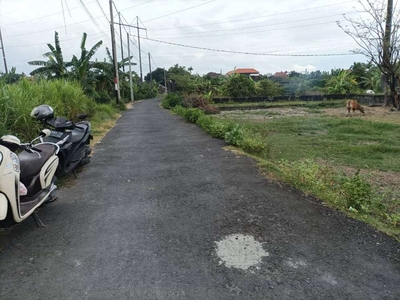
354, 105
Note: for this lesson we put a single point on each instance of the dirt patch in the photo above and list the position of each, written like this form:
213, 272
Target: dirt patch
268, 113
379, 114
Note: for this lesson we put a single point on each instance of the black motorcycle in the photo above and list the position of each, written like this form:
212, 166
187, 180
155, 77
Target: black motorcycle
73, 138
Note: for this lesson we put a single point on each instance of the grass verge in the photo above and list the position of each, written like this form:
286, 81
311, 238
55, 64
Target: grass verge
305, 152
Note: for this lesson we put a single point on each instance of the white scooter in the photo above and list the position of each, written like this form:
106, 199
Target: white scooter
26, 180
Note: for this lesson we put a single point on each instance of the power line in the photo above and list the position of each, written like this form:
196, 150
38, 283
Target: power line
40, 31
10, 12
297, 49
175, 12
35, 58
136, 5
40, 44
43, 17
91, 18
248, 32
152, 59
258, 26
254, 18
98, 3
248, 53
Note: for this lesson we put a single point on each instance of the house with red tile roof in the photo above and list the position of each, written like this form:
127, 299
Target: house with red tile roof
281, 74
249, 72
244, 71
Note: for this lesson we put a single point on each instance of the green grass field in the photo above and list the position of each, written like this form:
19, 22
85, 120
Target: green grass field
319, 150
344, 141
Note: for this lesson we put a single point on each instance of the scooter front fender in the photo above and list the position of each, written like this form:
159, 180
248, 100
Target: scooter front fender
3, 207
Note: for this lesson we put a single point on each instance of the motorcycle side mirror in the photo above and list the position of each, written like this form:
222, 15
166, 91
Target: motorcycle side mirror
82, 116
45, 133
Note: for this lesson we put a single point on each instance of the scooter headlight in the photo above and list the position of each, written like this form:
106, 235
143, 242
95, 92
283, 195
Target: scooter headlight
15, 161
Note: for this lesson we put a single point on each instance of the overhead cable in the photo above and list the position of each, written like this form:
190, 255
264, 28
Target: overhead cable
248, 32
254, 18
175, 12
247, 53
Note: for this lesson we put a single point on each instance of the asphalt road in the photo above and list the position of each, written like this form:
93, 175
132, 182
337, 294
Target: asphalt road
150, 216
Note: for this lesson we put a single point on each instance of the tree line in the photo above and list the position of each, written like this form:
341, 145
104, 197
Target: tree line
356, 79
95, 77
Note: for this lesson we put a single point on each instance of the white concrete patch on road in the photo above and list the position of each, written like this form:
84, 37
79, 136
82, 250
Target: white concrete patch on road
240, 251
329, 279
296, 263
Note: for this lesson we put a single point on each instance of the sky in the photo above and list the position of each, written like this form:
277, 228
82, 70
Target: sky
275, 30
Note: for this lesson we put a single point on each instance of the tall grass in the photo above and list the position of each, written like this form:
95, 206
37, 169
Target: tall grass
66, 98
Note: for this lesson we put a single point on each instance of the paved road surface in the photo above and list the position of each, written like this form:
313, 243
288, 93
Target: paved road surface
164, 212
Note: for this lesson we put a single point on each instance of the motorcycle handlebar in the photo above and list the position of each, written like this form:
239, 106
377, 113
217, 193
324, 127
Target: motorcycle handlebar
36, 149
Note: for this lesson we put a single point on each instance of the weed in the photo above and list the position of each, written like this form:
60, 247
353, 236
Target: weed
171, 100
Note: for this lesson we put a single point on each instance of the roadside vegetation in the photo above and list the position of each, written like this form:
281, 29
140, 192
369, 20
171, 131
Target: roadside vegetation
349, 163
67, 99
80, 85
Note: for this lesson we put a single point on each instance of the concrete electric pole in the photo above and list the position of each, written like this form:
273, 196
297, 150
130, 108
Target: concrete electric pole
4, 53
115, 58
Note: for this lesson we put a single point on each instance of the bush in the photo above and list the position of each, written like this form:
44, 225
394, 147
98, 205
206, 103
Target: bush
198, 101
253, 145
145, 90
171, 100
231, 133
17, 101
266, 87
193, 114
235, 135
239, 86
357, 192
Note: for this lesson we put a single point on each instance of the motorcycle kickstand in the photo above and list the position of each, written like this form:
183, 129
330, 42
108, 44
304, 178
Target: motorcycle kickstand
37, 220
74, 172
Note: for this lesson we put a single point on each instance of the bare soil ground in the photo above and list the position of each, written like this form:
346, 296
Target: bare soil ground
379, 114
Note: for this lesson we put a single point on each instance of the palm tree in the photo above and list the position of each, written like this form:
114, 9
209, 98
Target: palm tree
82, 66
54, 67
105, 70
342, 83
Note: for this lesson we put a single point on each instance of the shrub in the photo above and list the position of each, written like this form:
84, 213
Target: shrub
253, 145
235, 135
232, 133
356, 191
239, 86
171, 100
193, 114
266, 87
200, 102
18, 100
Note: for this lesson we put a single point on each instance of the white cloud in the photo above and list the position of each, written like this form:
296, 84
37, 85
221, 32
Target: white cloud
261, 26
302, 69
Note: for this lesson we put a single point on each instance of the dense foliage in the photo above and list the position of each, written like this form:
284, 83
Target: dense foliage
95, 77
67, 99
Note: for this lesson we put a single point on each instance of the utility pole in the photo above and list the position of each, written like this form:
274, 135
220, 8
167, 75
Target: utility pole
140, 51
130, 69
386, 52
120, 35
151, 76
114, 50
4, 53
165, 82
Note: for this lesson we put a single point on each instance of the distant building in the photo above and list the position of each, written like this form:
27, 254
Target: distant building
249, 72
281, 74
213, 75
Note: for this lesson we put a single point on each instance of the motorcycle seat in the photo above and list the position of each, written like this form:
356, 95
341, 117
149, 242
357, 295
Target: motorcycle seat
61, 123
31, 163
77, 133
